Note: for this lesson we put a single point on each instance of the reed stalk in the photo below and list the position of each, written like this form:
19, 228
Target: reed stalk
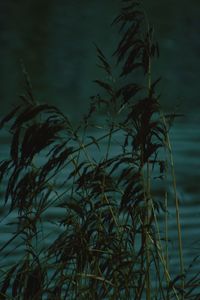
106, 243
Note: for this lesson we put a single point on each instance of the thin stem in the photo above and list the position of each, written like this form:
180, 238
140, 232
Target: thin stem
169, 147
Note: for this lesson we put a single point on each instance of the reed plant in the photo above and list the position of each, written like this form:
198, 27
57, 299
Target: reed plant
80, 200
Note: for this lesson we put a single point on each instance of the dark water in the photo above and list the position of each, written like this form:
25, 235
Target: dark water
54, 39
185, 139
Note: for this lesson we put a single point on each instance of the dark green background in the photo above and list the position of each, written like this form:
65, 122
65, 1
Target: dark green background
54, 39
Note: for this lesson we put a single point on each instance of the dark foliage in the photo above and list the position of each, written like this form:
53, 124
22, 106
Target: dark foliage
105, 243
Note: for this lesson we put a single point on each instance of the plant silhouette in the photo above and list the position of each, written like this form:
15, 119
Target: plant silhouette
105, 242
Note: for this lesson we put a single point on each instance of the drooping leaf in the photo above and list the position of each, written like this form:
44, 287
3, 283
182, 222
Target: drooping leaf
8, 117
105, 85
6, 282
105, 65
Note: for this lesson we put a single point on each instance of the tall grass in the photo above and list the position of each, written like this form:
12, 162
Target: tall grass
84, 213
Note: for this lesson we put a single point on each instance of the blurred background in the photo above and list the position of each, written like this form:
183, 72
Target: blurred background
55, 41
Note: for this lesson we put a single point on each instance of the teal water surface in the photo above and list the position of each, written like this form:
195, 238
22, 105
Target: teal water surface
55, 41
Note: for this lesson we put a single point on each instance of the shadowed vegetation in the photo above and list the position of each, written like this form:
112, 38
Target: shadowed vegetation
85, 217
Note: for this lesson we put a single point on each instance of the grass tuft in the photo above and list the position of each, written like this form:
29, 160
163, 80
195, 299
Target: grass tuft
83, 206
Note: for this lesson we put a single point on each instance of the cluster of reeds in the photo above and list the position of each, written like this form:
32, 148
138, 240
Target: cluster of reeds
85, 219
